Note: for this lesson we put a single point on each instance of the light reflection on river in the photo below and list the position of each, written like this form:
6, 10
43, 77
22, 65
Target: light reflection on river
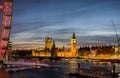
65, 66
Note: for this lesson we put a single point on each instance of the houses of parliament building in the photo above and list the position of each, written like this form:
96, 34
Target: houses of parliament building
52, 51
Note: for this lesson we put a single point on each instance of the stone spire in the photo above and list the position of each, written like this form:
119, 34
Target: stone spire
73, 36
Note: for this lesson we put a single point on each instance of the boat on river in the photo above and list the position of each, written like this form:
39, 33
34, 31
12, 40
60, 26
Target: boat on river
20, 65
96, 70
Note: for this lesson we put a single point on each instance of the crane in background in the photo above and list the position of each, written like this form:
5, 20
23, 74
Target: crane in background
117, 36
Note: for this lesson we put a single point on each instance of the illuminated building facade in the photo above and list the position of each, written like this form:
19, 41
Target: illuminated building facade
48, 44
10, 45
9, 50
73, 45
52, 51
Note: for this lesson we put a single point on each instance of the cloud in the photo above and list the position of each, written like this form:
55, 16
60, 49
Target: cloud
96, 39
30, 26
33, 20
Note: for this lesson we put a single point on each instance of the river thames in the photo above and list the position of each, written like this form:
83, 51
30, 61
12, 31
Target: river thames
61, 70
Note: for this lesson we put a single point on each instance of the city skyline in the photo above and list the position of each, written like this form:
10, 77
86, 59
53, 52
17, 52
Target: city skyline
90, 20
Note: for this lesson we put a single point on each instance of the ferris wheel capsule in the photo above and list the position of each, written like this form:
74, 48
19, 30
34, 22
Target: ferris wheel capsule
1, 6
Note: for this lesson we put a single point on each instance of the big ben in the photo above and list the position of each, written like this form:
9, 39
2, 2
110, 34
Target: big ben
73, 44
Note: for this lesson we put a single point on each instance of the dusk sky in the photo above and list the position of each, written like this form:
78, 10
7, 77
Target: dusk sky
90, 20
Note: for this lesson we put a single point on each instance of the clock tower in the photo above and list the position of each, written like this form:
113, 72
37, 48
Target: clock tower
73, 44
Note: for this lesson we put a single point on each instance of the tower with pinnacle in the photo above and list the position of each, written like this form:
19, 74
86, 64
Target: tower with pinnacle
73, 44
53, 51
48, 44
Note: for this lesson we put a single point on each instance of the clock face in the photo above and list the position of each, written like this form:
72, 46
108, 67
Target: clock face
74, 41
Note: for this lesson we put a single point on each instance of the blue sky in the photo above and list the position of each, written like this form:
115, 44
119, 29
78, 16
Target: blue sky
90, 20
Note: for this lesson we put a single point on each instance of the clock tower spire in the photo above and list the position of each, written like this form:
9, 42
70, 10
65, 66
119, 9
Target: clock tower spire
73, 45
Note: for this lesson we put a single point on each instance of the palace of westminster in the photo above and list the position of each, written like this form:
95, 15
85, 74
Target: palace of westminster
50, 50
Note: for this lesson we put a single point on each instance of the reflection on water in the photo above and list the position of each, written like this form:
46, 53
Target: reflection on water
73, 65
62, 70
